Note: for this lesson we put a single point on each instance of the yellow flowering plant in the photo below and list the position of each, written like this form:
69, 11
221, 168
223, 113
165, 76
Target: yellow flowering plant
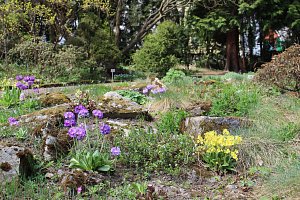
218, 151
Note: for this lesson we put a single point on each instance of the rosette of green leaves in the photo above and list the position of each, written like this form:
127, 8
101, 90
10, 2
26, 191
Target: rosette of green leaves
10, 97
92, 161
133, 96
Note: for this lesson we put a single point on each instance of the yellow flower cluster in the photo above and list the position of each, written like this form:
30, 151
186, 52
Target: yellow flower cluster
217, 143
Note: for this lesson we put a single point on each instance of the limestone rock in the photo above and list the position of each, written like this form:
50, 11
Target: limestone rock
52, 99
198, 108
202, 124
42, 116
56, 141
15, 161
113, 105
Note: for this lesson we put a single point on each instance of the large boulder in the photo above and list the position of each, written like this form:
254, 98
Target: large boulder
45, 114
15, 161
202, 124
113, 105
52, 99
47, 124
198, 108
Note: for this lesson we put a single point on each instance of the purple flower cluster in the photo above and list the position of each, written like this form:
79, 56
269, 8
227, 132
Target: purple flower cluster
153, 89
81, 111
69, 119
77, 132
115, 151
104, 129
159, 90
98, 114
28, 81
13, 121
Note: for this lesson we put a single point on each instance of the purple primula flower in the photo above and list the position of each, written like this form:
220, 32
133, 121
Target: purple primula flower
154, 91
13, 121
36, 90
162, 90
19, 85
26, 78
79, 189
98, 114
81, 133
22, 96
145, 91
115, 151
69, 122
69, 115
83, 113
23, 87
77, 132
72, 132
78, 108
31, 78
30, 83
19, 77
150, 87
104, 129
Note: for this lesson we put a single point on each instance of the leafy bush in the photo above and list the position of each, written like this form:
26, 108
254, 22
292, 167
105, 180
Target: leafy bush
235, 99
134, 96
218, 151
31, 53
173, 75
43, 58
283, 71
165, 149
170, 121
160, 49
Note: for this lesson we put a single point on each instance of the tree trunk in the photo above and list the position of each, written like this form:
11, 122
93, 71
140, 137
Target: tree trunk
118, 23
232, 50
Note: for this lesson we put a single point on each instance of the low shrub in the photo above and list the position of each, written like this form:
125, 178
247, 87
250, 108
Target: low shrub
160, 50
165, 149
235, 99
283, 71
173, 75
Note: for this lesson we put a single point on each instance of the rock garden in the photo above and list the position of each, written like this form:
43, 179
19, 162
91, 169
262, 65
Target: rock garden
228, 136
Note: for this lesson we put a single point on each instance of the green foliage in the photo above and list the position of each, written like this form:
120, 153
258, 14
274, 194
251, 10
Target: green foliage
173, 76
160, 50
125, 77
94, 36
41, 57
125, 191
36, 188
91, 161
235, 99
30, 104
10, 97
21, 134
288, 131
170, 122
28, 52
134, 96
165, 149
